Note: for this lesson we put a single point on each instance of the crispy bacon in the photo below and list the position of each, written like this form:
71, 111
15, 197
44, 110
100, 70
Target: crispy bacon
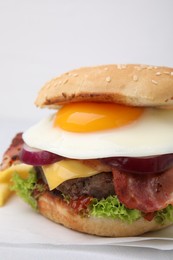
148, 193
11, 156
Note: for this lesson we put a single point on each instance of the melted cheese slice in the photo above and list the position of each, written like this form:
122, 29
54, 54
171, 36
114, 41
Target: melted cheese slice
64, 170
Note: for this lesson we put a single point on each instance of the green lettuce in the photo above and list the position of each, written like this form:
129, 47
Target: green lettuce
25, 187
112, 208
165, 215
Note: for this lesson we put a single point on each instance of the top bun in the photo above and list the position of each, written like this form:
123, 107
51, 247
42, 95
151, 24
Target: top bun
136, 85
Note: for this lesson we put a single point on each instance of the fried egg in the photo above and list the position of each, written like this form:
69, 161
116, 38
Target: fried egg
100, 130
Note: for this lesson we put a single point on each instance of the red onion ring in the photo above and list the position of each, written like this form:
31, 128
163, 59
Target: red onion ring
37, 157
141, 165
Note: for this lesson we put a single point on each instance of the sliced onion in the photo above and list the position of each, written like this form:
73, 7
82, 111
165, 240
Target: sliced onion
38, 157
141, 165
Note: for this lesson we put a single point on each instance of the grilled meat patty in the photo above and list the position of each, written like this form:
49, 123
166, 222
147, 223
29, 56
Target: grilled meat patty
98, 186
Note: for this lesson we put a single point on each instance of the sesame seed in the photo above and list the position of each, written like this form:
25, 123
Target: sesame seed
108, 79
105, 68
166, 72
150, 67
143, 66
135, 77
154, 82
138, 67
75, 75
65, 81
121, 66
158, 73
171, 73
49, 86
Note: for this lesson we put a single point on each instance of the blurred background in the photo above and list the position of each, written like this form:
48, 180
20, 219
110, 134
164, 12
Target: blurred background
43, 38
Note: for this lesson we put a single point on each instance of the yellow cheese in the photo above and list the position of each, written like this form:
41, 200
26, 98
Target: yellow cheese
64, 170
5, 192
22, 169
5, 179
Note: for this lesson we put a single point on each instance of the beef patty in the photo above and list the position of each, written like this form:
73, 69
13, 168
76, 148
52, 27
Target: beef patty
98, 186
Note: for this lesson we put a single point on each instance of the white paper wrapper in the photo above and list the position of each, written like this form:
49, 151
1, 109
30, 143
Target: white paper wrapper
20, 225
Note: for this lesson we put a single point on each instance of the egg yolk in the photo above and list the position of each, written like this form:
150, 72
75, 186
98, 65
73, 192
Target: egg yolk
89, 117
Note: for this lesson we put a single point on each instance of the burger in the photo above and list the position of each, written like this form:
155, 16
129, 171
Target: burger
102, 162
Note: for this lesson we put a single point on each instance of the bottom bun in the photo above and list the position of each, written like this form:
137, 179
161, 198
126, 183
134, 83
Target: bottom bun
57, 210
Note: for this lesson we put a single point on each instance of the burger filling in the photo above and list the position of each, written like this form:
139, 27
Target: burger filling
112, 191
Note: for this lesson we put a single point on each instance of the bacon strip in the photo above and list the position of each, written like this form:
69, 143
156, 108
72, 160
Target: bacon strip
11, 156
147, 193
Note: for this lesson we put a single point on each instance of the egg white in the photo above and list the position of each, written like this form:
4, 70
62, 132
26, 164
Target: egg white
151, 134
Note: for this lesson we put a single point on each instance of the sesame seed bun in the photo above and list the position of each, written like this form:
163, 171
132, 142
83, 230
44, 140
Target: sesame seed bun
55, 209
136, 85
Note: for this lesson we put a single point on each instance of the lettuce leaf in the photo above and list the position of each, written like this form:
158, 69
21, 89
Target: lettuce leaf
165, 215
26, 187
112, 208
